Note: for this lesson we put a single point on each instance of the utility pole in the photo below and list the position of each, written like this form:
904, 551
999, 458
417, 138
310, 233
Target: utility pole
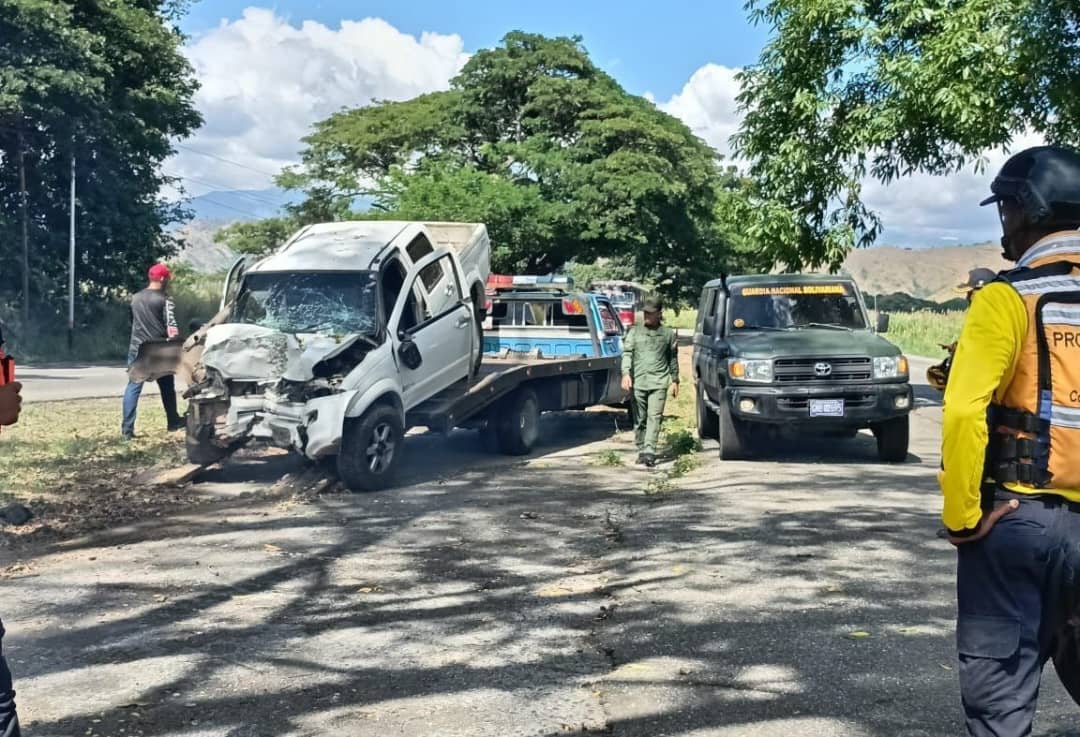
71, 260
25, 236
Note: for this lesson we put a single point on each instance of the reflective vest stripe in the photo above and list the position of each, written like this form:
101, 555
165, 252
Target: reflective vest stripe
1056, 313
1057, 247
1047, 284
1065, 417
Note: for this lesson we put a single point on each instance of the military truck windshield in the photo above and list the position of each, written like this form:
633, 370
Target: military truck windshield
794, 306
335, 303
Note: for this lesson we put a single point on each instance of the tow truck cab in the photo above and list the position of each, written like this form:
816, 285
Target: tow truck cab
796, 351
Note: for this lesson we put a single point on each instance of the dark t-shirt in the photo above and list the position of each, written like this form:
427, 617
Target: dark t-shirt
153, 317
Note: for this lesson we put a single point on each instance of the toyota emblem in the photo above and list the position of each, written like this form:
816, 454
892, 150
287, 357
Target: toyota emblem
822, 369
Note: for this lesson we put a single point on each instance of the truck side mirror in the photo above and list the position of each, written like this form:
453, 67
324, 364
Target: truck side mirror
883, 322
409, 353
708, 325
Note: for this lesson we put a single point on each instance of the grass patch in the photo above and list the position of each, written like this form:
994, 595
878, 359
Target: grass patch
684, 321
59, 445
609, 458
923, 333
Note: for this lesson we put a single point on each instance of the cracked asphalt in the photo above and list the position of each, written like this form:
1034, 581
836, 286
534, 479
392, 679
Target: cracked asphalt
802, 594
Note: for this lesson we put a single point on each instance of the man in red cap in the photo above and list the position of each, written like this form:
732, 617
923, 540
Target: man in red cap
153, 317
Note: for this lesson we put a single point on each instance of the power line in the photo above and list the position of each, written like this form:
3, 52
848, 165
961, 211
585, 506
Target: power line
249, 213
217, 187
227, 161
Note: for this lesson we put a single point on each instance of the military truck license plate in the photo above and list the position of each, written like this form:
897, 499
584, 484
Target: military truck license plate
826, 407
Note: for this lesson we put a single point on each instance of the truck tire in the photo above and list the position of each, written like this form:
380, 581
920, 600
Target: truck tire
892, 439
518, 422
731, 433
371, 447
199, 441
708, 424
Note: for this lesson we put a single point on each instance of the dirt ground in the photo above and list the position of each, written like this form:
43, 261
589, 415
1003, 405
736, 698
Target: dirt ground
800, 593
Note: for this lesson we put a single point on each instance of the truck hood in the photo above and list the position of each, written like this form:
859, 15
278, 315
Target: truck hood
244, 352
810, 342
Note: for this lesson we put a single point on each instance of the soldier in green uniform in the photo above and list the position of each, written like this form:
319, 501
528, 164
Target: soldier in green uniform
650, 364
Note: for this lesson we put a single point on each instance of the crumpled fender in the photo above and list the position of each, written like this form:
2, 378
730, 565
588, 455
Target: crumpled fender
324, 432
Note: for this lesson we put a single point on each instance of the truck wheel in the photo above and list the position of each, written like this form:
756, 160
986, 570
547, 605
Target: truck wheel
731, 433
370, 449
708, 424
519, 423
892, 439
199, 441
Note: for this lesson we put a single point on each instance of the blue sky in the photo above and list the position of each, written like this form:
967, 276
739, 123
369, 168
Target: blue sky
270, 70
648, 46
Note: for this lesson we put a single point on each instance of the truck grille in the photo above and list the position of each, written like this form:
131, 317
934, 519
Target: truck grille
804, 371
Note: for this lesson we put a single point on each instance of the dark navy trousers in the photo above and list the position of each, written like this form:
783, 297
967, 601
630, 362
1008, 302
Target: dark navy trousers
1011, 591
9, 721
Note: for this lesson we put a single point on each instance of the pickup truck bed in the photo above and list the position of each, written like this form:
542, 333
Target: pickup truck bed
558, 383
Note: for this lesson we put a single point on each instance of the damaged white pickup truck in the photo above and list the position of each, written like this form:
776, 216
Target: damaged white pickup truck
325, 345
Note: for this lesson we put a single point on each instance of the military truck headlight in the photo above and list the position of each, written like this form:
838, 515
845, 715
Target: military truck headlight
890, 367
751, 370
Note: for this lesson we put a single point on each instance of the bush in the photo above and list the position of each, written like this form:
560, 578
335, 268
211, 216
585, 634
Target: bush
102, 327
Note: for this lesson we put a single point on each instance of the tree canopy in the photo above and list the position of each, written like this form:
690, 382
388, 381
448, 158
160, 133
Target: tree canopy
849, 89
550, 152
107, 82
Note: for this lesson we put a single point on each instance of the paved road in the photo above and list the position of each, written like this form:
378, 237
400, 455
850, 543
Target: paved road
802, 594
74, 382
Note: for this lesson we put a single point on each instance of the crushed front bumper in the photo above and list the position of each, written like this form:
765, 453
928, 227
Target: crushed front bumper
312, 428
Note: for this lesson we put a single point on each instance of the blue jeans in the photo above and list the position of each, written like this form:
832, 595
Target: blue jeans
1012, 587
9, 720
167, 387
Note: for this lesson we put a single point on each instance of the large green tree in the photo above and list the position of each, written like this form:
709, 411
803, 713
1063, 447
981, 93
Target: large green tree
550, 152
850, 89
107, 82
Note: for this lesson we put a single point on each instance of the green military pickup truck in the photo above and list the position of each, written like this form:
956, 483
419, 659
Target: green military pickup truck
798, 352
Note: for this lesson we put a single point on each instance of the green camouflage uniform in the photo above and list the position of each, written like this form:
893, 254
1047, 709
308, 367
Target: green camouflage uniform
651, 359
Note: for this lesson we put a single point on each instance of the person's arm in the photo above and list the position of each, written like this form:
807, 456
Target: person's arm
628, 360
673, 358
628, 353
985, 360
171, 329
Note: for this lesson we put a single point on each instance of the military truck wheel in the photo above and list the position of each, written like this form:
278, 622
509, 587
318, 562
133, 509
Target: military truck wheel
708, 424
731, 433
199, 441
518, 423
371, 448
892, 439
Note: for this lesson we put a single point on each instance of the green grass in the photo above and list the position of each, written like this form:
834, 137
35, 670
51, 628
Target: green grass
684, 321
923, 333
609, 458
57, 446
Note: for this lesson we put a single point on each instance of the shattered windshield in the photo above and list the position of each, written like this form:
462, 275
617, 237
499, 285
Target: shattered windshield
335, 303
792, 306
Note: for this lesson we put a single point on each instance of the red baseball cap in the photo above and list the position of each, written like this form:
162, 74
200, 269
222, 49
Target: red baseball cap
160, 272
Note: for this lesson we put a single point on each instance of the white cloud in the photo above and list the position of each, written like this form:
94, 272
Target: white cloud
916, 210
265, 82
707, 104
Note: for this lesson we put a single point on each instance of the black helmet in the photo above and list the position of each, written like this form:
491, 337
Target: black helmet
1045, 182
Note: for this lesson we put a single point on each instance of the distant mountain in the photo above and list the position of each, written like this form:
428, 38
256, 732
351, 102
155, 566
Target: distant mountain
200, 251
242, 204
927, 273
